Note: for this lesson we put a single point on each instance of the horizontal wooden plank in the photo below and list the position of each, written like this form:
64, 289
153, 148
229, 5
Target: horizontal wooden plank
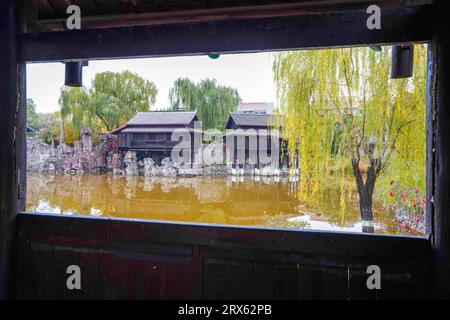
124, 259
399, 25
102, 232
120, 16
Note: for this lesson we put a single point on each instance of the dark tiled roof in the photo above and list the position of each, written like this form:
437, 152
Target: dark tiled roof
162, 118
159, 119
156, 130
250, 119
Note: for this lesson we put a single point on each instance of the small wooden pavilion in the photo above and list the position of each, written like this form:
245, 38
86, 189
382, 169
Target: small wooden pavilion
150, 134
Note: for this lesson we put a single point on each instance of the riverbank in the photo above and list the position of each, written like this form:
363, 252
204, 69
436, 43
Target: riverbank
83, 157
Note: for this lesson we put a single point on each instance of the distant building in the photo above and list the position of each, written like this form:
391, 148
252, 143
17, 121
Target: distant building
250, 123
29, 129
247, 120
150, 133
262, 107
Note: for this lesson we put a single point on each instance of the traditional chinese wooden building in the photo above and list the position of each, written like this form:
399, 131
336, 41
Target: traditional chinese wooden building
150, 134
246, 130
157, 260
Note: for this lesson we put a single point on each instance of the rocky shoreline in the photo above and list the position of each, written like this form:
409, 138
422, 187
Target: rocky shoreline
105, 157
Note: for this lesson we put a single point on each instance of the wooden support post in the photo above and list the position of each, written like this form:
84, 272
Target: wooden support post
12, 136
440, 100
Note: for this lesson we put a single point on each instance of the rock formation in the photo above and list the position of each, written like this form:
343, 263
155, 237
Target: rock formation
83, 157
131, 167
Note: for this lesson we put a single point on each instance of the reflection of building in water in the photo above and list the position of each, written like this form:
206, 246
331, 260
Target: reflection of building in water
197, 199
249, 200
150, 133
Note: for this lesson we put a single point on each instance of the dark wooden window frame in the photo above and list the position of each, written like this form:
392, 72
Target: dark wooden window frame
417, 24
240, 36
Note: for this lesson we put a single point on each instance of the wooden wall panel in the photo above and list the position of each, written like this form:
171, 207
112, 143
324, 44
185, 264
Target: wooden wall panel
153, 260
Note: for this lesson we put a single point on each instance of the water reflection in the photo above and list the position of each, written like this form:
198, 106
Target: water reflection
269, 202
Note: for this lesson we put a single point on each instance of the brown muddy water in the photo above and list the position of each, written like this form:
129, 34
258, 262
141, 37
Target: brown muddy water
242, 201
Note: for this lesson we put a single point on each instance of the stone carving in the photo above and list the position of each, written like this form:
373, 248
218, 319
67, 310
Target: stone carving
131, 167
150, 168
86, 140
213, 154
168, 169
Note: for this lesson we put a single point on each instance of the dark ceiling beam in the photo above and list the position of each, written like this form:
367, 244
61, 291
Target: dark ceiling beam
44, 6
238, 12
342, 29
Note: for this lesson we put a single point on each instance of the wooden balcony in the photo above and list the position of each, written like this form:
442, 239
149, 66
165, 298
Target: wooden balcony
150, 145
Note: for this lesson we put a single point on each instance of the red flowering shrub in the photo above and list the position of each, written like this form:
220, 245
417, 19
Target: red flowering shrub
408, 206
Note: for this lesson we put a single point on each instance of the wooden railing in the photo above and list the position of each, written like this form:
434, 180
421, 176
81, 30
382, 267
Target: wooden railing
161, 260
151, 144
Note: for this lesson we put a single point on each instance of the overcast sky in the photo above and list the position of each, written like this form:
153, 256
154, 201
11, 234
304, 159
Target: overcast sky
250, 74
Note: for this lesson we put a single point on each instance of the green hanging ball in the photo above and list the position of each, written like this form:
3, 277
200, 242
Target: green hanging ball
214, 56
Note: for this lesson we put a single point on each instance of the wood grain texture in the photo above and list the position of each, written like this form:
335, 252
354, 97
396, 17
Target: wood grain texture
155, 260
108, 13
12, 132
405, 24
440, 186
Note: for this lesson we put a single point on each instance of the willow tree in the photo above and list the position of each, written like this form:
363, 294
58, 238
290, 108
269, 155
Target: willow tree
116, 97
212, 101
32, 116
73, 103
350, 121
112, 99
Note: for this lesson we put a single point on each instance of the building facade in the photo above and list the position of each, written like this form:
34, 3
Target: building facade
250, 142
151, 134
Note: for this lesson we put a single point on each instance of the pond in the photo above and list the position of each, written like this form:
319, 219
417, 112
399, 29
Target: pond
242, 201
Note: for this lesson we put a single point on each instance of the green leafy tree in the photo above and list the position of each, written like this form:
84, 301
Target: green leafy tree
116, 97
49, 126
73, 104
352, 121
32, 116
113, 99
212, 101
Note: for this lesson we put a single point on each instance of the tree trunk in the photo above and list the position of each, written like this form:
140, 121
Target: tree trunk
365, 193
104, 122
365, 207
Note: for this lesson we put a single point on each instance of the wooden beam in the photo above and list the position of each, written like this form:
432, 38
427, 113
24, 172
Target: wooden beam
11, 137
99, 230
45, 7
103, 19
440, 97
399, 25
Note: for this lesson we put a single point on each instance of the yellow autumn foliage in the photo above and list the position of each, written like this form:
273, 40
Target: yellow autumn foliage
334, 104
